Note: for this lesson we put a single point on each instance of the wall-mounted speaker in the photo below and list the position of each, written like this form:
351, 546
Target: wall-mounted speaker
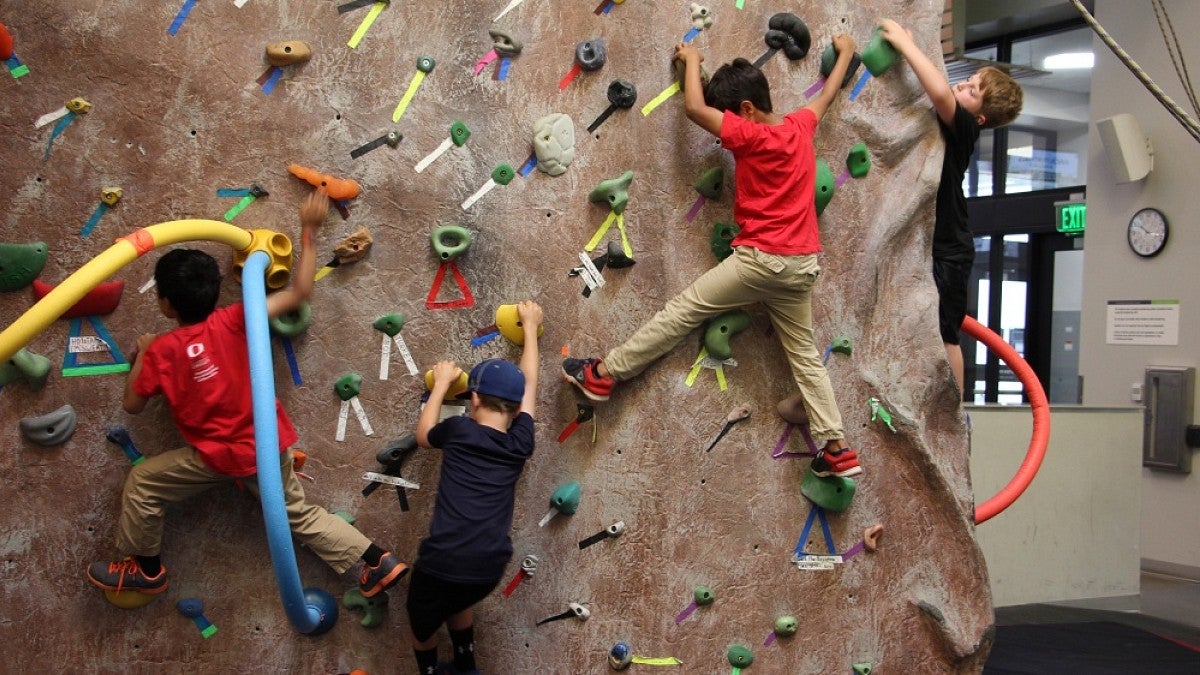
1129, 151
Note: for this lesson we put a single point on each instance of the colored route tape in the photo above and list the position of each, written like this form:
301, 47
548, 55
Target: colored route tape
485, 60
858, 86
667, 93
571, 75
15, 67
60, 127
238, 208
600, 232
691, 35
695, 210
366, 24
814, 87
91, 222
232, 192
408, 95
272, 79
528, 166
182, 16
290, 353
502, 69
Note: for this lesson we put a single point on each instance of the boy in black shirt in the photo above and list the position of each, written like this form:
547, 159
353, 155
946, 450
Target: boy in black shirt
468, 547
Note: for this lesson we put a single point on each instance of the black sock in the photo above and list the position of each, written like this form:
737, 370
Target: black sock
464, 648
372, 555
426, 661
151, 564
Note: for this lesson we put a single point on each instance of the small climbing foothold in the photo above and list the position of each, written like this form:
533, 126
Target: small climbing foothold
591, 54
829, 60
111, 195
722, 236
620, 656
393, 138
842, 345
701, 17
459, 133
389, 324
879, 55
28, 366
450, 241
374, 608
425, 64
871, 537
786, 626
508, 322
710, 183
616, 529
858, 161
703, 595
504, 43
739, 656
622, 93
554, 143
20, 264
288, 52
832, 493
354, 247
616, 256
826, 185
721, 330
53, 428
566, 498
787, 32
348, 386
503, 174
294, 323
78, 106
862, 668
614, 192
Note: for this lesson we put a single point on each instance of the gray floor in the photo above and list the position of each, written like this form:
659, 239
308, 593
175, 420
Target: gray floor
1168, 606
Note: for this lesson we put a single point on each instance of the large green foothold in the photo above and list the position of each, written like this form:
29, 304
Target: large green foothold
703, 595
739, 656
27, 366
348, 386
721, 330
858, 162
842, 345
503, 174
294, 323
710, 183
389, 324
832, 493
459, 133
450, 241
566, 498
826, 185
21, 263
723, 234
614, 192
829, 60
862, 668
374, 608
879, 54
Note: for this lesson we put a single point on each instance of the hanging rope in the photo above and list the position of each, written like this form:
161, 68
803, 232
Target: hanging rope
1177, 112
1175, 52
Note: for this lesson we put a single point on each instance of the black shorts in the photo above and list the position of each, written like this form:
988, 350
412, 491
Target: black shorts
951, 279
431, 601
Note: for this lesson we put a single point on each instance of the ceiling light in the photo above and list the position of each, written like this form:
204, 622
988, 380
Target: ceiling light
1069, 60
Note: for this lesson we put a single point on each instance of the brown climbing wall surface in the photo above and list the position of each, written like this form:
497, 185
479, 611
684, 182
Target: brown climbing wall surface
174, 118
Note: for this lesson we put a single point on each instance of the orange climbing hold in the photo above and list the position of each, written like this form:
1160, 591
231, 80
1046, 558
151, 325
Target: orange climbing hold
6, 43
338, 189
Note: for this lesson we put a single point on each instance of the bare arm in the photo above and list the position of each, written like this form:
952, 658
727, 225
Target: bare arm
312, 214
704, 115
844, 45
132, 403
444, 374
935, 84
531, 320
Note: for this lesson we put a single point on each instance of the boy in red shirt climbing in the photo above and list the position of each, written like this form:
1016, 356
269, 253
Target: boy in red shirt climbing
775, 253
202, 369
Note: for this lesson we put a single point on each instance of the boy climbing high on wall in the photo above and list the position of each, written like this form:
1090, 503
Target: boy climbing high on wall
775, 253
202, 369
468, 547
987, 99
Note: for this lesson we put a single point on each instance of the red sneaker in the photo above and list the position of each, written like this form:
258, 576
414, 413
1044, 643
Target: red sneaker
126, 575
583, 374
843, 463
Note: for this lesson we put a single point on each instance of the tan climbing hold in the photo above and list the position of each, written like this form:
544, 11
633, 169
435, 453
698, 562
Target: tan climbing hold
354, 247
871, 537
288, 52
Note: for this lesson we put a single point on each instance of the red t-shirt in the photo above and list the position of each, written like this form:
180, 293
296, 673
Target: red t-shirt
203, 370
774, 182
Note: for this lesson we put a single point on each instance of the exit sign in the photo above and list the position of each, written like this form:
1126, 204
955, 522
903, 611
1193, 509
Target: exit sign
1070, 217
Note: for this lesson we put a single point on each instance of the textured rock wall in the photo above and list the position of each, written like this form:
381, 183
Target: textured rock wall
176, 117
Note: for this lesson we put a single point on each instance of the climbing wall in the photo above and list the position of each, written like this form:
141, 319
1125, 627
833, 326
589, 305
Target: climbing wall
178, 115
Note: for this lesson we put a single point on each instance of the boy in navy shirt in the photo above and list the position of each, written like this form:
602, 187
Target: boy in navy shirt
468, 547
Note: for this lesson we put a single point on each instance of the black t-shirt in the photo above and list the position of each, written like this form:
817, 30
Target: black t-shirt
952, 239
468, 538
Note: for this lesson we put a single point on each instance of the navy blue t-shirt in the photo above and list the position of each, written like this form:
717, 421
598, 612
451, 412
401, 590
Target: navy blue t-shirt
468, 538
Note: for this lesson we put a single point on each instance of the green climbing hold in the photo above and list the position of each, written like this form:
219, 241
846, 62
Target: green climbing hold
862, 668
348, 386
829, 60
826, 185
721, 330
722, 236
374, 608
459, 133
739, 656
710, 183
21, 263
389, 324
27, 366
832, 493
425, 64
293, 323
858, 162
842, 345
786, 626
703, 595
879, 55
450, 241
566, 498
503, 174
614, 192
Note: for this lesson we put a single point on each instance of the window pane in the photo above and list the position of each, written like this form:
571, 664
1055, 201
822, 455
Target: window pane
977, 297
978, 180
1012, 311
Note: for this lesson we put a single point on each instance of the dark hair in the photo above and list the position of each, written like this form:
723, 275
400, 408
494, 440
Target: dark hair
735, 82
499, 404
191, 281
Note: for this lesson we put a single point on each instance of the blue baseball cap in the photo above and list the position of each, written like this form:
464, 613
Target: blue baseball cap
499, 378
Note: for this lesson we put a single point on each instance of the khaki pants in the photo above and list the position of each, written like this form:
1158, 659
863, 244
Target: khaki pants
781, 283
179, 474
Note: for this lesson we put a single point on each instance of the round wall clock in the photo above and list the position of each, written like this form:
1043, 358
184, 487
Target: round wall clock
1147, 232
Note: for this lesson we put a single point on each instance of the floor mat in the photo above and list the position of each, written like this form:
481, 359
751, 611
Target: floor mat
1093, 648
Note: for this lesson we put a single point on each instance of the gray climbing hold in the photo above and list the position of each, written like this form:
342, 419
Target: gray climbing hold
53, 428
554, 143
